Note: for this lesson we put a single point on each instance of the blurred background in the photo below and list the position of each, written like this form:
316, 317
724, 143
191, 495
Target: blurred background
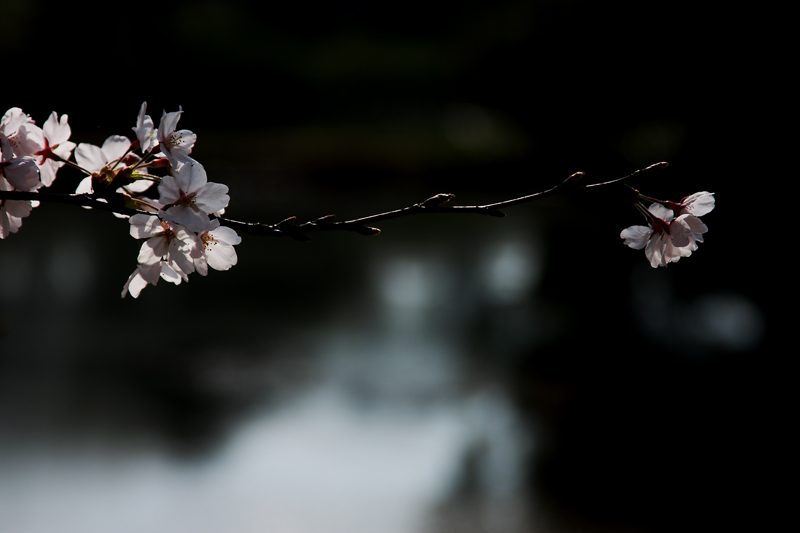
455, 374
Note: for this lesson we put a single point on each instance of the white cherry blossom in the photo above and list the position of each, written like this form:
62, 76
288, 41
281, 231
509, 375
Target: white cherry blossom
666, 239
189, 196
94, 158
176, 145
103, 162
164, 241
216, 248
98, 160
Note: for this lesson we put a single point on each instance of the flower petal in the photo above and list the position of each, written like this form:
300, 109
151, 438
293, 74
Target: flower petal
635, 236
661, 212
212, 197
698, 204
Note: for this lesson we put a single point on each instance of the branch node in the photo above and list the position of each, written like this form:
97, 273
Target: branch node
324, 219
439, 199
285, 222
573, 180
656, 168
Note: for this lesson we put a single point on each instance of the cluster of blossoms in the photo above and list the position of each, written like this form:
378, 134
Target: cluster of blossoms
30, 156
180, 229
673, 229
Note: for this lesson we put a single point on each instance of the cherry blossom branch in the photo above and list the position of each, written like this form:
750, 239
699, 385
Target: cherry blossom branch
289, 228
182, 232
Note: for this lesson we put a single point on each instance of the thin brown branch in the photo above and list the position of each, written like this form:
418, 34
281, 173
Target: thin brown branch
289, 228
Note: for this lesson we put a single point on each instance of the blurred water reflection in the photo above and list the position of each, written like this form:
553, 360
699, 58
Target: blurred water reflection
316, 464
374, 436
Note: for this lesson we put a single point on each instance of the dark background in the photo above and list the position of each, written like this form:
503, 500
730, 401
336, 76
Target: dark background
654, 389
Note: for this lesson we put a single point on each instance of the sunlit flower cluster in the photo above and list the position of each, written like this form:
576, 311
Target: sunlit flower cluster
673, 229
180, 230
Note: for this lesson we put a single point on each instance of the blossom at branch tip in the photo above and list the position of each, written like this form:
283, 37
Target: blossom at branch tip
145, 132
176, 145
666, 239
189, 196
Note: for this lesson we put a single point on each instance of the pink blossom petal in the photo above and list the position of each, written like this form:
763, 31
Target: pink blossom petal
226, 235
17, 208
221, 256
698, 204
655, 250
145, 132
90, 157
134, 285
145, 226
179, 255
678, 233
169, 274
189, 216
695, 225
56, 131
191, 176
169, 190
153, 250
47, 171
661, 212
115, 147
22, 173
151, 272
212, 197
28, 140
636, 236
64, 149
85, 186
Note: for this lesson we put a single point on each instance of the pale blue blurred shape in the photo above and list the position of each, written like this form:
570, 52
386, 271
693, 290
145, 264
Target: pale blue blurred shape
313, 465
723, 320
512, 269
411, 282
728, 320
